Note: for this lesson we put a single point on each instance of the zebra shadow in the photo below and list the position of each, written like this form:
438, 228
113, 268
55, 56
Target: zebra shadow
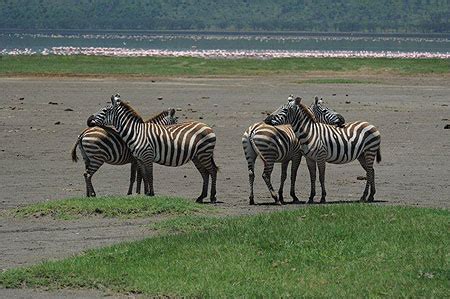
211, 203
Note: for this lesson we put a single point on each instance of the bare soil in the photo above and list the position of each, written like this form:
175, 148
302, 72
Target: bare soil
36, 139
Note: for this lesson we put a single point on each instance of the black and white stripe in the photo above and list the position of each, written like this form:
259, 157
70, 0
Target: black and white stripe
325, 143
172, 145
278, 144
99, 145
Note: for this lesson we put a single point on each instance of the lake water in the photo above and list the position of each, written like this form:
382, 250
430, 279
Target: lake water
154, 43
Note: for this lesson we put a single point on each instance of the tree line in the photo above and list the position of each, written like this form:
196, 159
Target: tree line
378, 16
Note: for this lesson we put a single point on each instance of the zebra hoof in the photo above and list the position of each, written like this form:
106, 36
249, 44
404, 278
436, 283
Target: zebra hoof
278, 203
322, 200
362, 199
199, 200
213, 200
310, 201
370, 199
251, 201
295, 200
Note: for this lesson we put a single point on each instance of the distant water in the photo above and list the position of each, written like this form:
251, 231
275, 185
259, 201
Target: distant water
207, 44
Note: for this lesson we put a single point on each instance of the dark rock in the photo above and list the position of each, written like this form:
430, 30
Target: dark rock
445, 105
333, 94
52, 103
205, 98
160, 98
447, 126
347, 102
21, 99
57, 123
200, 117
68, 109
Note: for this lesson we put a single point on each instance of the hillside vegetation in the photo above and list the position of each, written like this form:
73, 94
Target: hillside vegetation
235, 15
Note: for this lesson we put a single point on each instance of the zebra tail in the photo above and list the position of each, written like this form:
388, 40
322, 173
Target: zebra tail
378, 155
74, 151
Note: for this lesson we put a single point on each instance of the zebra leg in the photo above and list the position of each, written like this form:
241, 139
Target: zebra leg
250, 156
268, 167
251, 179
213, 173
370, 157
284, 166
205, 175
91, 169
132, 177
147, 174
312, 176
321, 166
139, 180
294, 168
89, 188
362, 161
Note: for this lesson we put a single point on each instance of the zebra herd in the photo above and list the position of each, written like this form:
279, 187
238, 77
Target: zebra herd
118, 135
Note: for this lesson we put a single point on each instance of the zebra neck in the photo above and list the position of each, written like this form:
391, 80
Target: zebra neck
303, 129
128, 125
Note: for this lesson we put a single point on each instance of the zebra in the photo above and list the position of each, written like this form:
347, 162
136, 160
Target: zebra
279, 144
99, 145
172, 145
324, 143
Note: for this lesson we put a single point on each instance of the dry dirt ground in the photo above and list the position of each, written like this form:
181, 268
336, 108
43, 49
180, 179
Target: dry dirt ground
36, 139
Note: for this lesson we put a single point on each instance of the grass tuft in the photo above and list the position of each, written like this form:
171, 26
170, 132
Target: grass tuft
352, 250
126, 207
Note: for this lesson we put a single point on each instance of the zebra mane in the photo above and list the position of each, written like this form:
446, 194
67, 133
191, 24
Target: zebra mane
131, 110
307, 112
158, 116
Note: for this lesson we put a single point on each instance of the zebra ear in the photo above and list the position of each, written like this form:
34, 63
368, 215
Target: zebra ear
290, 97
316, 100
297, 101
171, 112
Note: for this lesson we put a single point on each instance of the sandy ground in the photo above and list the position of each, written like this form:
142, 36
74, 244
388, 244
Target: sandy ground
36, 139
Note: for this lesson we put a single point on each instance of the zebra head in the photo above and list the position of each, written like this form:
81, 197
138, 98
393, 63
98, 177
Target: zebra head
293, 113
165, 118
104, 117
171, 118
324, 114
285, 113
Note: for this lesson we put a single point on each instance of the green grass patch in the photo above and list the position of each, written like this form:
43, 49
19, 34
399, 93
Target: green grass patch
186, 66
351, 250
336, 81
126, 207
189, 223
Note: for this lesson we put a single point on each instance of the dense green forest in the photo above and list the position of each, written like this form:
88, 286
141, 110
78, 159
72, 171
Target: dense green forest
231, 15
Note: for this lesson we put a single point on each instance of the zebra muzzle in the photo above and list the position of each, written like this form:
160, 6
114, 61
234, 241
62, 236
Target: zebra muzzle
90, 121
